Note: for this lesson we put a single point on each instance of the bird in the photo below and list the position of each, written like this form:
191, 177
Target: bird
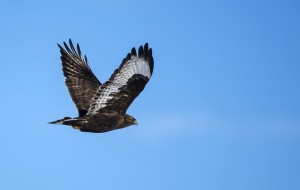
102, 107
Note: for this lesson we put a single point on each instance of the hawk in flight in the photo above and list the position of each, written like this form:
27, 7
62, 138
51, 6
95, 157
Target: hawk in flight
102, 107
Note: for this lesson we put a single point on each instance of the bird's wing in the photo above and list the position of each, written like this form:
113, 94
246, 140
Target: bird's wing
80, 80
125, 84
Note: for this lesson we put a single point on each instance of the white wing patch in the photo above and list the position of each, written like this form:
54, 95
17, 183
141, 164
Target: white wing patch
105, 92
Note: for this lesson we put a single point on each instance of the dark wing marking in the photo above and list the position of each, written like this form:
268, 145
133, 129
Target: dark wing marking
80, 80
125, 84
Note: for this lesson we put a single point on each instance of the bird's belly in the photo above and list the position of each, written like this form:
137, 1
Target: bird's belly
101, 124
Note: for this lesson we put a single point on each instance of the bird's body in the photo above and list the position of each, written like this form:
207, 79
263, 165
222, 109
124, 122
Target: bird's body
102, 107
98, 123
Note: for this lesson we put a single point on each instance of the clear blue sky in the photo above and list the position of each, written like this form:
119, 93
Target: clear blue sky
221, 112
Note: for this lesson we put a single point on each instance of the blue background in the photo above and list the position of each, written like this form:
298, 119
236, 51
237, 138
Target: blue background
221, 111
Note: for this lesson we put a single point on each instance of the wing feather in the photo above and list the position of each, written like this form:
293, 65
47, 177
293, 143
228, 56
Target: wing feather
125, 84
80, 80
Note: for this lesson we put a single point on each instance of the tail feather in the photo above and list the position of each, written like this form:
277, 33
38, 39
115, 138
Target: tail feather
68, 121
60, 121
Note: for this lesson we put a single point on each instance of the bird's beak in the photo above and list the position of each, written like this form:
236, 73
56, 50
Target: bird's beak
135, 122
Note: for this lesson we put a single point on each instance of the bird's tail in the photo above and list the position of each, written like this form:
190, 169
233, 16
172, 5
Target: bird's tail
60, 121
68, 121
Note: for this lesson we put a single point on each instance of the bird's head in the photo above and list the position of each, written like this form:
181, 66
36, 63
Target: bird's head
129, 120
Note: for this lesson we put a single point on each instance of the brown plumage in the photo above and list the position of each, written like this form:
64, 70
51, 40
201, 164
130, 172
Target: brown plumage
102, 107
